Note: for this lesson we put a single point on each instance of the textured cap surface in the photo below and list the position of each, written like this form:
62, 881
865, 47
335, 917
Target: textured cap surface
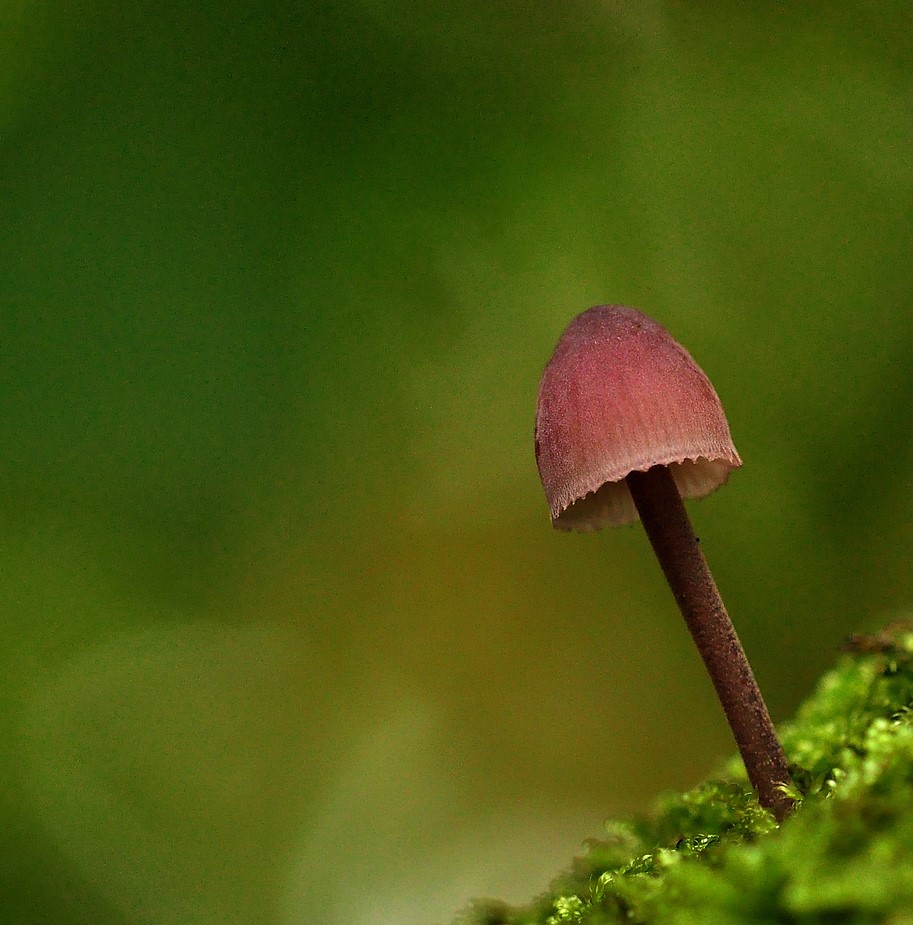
619, 395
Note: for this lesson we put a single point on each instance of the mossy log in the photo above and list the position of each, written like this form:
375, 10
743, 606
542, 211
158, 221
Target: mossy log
713, 856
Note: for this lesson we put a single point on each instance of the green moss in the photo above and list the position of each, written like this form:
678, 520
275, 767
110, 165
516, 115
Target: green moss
712, 856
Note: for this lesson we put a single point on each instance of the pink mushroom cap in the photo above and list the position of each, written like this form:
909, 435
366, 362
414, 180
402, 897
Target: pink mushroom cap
620, 395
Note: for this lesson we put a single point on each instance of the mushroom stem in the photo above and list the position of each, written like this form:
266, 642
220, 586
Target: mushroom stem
669, 529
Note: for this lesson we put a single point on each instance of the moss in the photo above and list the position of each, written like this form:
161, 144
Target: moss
712, 856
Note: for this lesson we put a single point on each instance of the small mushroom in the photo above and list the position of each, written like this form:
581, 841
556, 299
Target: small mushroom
626, 425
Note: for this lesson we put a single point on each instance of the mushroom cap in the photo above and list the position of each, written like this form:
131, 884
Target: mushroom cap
619, 395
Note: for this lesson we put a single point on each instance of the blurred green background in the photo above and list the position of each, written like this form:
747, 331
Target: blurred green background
287, 635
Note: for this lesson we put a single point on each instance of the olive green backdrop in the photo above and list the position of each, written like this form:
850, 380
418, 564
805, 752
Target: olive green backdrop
287, 635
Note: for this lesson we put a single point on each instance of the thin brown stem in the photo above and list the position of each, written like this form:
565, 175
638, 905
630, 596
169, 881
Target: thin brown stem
668, 526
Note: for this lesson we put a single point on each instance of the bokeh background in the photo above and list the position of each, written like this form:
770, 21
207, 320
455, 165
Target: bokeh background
287, 637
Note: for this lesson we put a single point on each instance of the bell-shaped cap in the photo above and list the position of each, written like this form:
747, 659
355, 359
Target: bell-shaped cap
619, 395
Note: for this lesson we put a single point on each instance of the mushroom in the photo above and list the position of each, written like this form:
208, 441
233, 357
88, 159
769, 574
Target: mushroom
626, 425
